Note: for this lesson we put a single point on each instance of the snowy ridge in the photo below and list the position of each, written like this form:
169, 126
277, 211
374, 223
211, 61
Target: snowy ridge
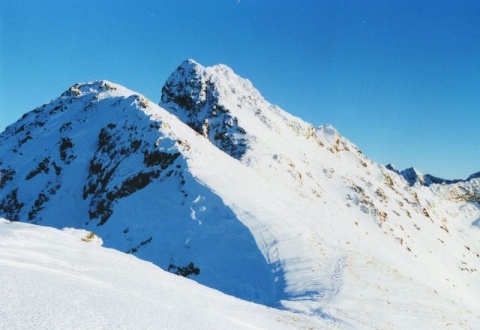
224, 107
414, 176
458, 190
467, 191
95, 153
263, 205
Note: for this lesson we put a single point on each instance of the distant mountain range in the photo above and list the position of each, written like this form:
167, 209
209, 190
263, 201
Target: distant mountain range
216, 184
413, 176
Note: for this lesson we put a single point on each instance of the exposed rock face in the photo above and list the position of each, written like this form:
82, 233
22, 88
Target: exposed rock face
115, 145
109, 143
194, 94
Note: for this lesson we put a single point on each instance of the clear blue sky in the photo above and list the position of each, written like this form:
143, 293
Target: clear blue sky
401, 79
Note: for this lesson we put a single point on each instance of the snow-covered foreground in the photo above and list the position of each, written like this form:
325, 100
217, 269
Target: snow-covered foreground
51, 279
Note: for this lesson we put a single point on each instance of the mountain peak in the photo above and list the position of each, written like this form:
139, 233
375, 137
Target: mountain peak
391, 167
191, 83
194, 94
92, 87
225, 108
328, 132
189, 62
474, 176
412, 175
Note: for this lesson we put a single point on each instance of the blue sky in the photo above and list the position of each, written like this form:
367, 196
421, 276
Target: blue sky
401, 79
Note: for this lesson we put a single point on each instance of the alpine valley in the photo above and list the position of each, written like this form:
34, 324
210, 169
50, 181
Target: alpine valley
218, 185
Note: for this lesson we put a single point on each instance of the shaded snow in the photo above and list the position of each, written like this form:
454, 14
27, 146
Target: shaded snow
53, 280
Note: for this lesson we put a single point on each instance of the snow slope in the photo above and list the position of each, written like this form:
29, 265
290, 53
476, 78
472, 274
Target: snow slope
51, 279
268, 208
121, 154
332, 215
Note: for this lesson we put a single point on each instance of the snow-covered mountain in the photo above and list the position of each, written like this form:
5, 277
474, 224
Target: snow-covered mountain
414, 176
105, 159
219, 185
467, 190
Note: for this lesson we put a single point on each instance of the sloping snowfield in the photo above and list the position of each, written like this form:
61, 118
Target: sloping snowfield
51, 279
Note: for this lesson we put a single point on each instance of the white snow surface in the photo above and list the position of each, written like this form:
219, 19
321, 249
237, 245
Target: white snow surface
53, 280
270, 209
